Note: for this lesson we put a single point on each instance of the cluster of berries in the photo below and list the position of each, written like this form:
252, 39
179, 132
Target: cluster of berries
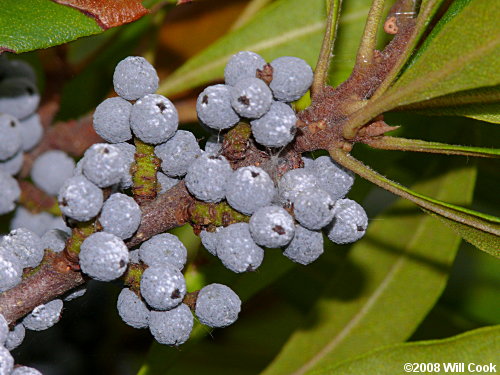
20, 127
286, 211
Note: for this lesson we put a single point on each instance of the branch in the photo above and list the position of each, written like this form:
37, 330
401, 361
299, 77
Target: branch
51, 279
364, 58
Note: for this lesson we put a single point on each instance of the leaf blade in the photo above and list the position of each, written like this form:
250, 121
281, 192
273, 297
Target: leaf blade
395, 267
469, 347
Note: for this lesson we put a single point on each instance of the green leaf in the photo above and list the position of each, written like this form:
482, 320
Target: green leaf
480, 104
285, 27
482, 240
33, 24
389, 283
477, 347
462, 53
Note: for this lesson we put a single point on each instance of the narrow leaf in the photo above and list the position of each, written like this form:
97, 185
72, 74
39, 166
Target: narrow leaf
478, 347
417, 145
367, 304
485, 227
480, 104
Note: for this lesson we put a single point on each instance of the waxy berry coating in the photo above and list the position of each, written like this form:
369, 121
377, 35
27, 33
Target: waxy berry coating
349, 223
135, 77
251, 98
163, 286
237, 250
217, 306
103, 256
214, 107
272, 226
172, 327
249, 188
242, 65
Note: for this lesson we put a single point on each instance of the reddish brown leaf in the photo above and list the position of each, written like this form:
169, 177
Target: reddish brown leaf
109, 13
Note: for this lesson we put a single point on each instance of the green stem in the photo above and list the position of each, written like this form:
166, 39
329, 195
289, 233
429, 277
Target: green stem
78, 235
364, 58
144, 172
325, 54
486, 223
217, 214
416, 145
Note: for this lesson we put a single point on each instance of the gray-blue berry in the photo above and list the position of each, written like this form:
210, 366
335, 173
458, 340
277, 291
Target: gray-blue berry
249, 188
210, 240
154, 119
214, 107
51, 169
55, 240
15, 337
19, 97
164, 248
292, 77
25, 245
165, 182
207, 177
251, 98
112, 120
178, 153
163, 287
213, 146
277, 127
128, 152
44, 316
77, 293
295, 181
333, 178
305, 247
31, 131
120, 215
349, 223
103, 256
132, 310
237, 250
25, 370
134, 256
10, 136
11, 269
242, 65
172, 327
135, 77
80, 199
272, 226
20, 69
13, 164
37, 223
10, 192
217, 306
104, 164
4, 330
6, 361
313, 208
